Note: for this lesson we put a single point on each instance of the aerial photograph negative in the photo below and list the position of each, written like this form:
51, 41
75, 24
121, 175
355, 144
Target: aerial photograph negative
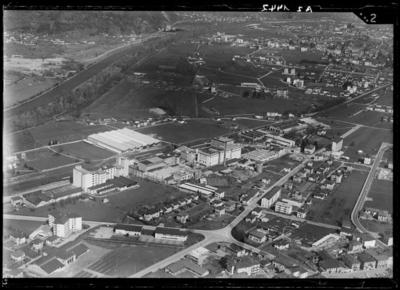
197, 144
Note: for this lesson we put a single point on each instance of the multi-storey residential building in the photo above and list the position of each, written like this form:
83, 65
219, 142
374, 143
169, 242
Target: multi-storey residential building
64, 224
337, 144
283, 207
271, 197
85, 178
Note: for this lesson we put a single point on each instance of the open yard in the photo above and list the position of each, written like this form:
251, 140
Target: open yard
25, 226
84, 150
381, 193
183, 133
309, 233
339, 204
366, 139
127, 260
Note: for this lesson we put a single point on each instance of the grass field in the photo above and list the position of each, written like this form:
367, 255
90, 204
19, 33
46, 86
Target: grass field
25, 88
366, 139
128, 260
249, 123
45, 159
381, 193
182, 133
377, 227
63, 131
386, 98
125, 100
25, 226
84, 150
118, 206
339, 204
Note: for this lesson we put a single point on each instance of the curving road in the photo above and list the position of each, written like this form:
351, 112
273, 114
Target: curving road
364, 192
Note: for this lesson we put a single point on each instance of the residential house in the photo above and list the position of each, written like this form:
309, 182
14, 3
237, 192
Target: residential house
352, 262
247, 265
18, 255
383, 260
182, 218
257, 236
367, 261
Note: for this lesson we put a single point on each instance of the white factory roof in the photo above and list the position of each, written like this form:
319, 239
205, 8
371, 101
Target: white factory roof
122, 139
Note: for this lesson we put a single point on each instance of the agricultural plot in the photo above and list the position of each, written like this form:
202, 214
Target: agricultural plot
126, 100
221, 54
225, 77
385, 98
339, 204
370, 118
20, 141
45, 159
63, 131
251, 123
366, 139
125, 261
239, 105
22, 225
84, 150
298, 57
381, 193
183, 133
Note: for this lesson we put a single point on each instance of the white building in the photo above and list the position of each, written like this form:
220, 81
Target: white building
283, 207
218, 152
85, 178
65, 224
170, 234
271, 197
199, 255
337, 145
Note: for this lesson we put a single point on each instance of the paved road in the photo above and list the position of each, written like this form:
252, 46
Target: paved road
364, 192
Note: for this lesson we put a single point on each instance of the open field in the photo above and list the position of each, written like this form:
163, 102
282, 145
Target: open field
84, 150
125, 100
339, 204
251, 123
182, 133
24, 226
44, 159
73, 82
366, 139
381, 193
26, 88
357, 113
127, 260
119, 204
386, 98
298, 57
62, 131
240, 105
377, 227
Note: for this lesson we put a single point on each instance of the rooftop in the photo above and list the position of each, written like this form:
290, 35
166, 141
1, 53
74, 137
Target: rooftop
169, 231
52, 266
132, 228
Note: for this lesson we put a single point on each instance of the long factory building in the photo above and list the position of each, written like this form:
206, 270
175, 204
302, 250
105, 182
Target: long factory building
121, 140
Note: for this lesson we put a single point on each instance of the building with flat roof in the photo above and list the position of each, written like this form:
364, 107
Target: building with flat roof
199, 255
283, 207
85, 178
337, 144
271, 197
122, 140
131, 230
63, 224
170, 234
218, 152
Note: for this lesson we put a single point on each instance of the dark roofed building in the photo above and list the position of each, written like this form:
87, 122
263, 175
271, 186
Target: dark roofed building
170, 234
79, 250
52, 266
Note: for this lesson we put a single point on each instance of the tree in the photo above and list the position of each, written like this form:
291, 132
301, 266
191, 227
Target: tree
223, 262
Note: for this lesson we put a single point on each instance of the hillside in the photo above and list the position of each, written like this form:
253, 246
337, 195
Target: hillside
81, 23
